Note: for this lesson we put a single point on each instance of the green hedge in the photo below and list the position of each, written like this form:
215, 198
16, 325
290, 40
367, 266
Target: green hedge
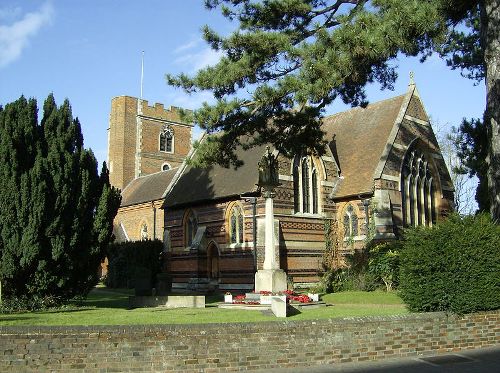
453, 266
126, 259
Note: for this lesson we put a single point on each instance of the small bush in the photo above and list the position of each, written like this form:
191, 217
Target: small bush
354, 276
383, 264
453, 266
127, 258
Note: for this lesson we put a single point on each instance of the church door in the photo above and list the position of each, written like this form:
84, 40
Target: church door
212, 262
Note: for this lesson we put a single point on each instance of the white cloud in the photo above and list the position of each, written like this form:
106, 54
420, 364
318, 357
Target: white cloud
194, 57
189, 101
189, 45
14, 38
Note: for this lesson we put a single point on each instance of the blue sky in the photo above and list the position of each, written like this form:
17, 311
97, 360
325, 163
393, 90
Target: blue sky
90, 51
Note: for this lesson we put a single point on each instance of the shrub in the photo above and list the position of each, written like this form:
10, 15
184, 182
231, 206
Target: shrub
126, 259
354, 276
453, 266
383, 264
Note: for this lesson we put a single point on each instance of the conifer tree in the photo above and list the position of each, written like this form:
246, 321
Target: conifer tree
289, 59
57, 212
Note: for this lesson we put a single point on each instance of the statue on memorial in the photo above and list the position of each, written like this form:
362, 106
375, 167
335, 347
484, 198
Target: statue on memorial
268, 171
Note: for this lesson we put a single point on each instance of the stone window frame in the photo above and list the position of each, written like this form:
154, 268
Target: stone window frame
143, 231
166, 133
189, 227
418, 188
306, 171
239, 240
352, 215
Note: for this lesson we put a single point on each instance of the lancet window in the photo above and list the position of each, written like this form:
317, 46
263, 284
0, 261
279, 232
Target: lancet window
167, 139
305, 182
236, 224
190, 228
350, 222
418, 190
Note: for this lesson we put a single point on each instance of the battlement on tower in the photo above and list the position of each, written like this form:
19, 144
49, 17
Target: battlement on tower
134, 141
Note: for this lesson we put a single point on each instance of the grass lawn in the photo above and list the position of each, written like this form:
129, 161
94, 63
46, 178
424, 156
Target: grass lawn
109, 307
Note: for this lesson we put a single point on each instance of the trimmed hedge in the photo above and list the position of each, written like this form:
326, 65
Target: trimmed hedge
453, 266
126, 259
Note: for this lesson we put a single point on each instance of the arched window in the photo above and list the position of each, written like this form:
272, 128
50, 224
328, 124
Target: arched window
305, 186
236, 224
167, 139
350, 222
190, 228
165, 167
417, 190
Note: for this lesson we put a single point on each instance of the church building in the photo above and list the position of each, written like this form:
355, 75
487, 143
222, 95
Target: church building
382, 171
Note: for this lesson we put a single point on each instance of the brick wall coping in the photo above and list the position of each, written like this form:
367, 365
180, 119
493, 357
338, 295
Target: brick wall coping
245, 327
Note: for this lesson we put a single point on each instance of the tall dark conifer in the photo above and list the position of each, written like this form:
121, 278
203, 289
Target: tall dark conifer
55, 205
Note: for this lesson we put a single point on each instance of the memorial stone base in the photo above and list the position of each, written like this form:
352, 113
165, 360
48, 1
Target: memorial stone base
273, 280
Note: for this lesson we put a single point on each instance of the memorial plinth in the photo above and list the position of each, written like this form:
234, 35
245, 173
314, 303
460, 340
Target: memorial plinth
271, 277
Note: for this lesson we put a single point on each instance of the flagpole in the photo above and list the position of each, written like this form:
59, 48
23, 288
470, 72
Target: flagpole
142, 72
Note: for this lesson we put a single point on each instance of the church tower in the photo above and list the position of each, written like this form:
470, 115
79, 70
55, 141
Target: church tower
144, 139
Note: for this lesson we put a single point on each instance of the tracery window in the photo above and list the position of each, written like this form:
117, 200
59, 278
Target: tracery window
417, 190
190, 228
350, 222
305, 185
166, 139
236, 226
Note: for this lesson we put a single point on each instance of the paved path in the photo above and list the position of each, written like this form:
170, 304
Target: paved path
486, 360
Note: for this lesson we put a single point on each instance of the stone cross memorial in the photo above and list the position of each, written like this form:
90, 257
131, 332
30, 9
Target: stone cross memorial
271, 277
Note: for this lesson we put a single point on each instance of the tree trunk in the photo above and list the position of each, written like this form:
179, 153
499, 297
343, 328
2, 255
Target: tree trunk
490, 29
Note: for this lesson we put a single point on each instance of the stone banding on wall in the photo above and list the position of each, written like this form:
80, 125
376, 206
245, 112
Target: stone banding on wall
241, 346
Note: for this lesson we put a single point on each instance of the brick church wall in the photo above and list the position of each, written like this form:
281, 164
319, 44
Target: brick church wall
132, 218
301, 236
123, 134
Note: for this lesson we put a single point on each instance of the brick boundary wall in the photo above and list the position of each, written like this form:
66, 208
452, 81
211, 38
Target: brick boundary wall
242, 346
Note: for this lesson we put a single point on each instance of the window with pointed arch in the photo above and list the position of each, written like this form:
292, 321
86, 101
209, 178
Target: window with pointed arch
417, 190
305, 185
350, 222
235, 224
190, 227
167, 139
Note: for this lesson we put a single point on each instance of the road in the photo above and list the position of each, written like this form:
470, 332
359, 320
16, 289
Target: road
485, 360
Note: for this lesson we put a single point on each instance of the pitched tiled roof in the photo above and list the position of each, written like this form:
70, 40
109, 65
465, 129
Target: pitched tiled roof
357, 138
147, 188
198, 184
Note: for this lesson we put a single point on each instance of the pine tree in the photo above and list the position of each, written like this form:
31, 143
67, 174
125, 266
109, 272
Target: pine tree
57, 212
289, 59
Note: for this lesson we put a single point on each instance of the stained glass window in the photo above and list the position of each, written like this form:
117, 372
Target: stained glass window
236, 225
350, 222
190, 229
305, 186
240, 225
417, 190
314, 182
